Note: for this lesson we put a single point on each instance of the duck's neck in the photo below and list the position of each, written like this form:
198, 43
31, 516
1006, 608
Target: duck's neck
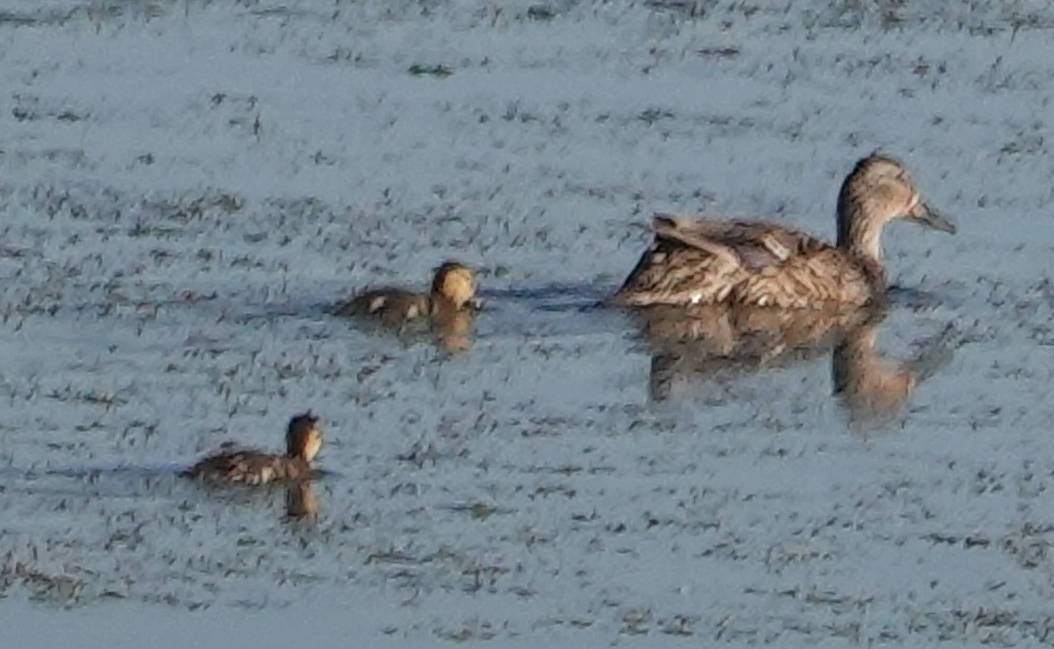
860, 232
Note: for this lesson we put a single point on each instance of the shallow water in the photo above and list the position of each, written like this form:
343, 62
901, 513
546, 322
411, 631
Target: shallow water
185, 187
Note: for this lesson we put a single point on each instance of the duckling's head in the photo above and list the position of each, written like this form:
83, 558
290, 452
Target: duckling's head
303, 438
455, 283
878, 190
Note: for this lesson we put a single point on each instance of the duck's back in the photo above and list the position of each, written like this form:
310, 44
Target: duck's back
249, 467
758, 243
752, 263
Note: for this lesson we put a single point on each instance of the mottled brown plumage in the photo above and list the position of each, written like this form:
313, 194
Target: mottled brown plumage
245, 466
453, 290
695, 262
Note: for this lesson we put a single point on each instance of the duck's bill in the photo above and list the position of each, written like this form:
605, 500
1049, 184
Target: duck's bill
928, 216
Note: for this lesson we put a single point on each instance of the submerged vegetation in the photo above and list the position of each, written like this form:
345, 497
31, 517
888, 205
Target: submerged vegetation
184, 199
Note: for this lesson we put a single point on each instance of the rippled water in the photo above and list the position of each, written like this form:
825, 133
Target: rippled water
186, 187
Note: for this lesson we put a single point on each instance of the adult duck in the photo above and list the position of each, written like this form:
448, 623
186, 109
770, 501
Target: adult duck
759, 264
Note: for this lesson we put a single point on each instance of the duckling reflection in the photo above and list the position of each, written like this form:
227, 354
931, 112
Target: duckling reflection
301, 501
452, 330
716, 342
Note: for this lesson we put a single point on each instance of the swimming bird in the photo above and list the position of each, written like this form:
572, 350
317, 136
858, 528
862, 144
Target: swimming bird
453, 290
755, 263
303, 440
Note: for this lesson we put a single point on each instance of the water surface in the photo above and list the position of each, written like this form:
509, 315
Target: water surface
185, 186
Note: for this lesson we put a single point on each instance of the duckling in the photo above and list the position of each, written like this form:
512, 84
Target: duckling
453, 291
768, 265
303, 440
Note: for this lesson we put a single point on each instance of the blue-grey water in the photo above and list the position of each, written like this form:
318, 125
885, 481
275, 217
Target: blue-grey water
185, 186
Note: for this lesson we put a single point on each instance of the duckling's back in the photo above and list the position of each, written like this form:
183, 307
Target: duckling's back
249, 467
388, 304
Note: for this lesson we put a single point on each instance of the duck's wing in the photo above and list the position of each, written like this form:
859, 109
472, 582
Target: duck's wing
707, 239
754, 245
701, 261
782, 267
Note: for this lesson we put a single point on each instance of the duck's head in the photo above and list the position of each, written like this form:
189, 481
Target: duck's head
455, 283
303, 438
878, 190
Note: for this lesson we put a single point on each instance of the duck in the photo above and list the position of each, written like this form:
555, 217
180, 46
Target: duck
303, 440
453, 292
762, 264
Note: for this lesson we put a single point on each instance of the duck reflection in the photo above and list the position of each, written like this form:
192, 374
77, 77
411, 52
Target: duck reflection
719, 342
874, 388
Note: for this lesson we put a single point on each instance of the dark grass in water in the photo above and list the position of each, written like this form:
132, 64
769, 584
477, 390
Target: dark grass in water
184, 199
